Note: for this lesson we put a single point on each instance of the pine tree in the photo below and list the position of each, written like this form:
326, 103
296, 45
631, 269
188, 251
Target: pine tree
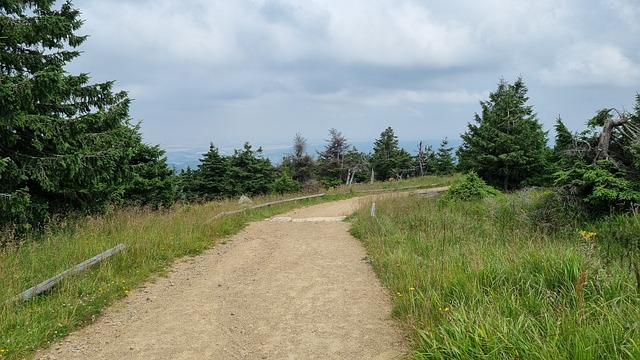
331, 167
358, 165
211, 179
65, 145
388, 160
249, 172
506, 146
299, 164
444, 161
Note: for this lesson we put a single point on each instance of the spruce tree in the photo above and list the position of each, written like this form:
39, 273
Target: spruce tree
506, 146
211, 179
249, 172
444, 161
65, 145
299, 164
388, 160
330, 164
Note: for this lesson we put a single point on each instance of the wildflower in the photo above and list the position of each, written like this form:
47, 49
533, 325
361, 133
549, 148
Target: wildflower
412, 289
586, 234
445, 309
397, 264
399, 294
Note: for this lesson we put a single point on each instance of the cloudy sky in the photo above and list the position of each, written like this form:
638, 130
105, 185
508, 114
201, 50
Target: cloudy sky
232, 71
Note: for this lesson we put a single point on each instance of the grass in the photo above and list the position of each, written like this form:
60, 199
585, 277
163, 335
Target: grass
479, 280
153, 239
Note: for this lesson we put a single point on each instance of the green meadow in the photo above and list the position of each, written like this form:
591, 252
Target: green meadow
486, 279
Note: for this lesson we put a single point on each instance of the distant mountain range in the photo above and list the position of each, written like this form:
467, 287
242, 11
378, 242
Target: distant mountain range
181, 157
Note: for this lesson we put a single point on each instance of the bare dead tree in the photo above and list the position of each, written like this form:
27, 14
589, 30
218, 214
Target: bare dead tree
602, 151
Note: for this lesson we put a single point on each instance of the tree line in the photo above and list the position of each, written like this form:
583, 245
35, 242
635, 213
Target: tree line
70, 147
248, 172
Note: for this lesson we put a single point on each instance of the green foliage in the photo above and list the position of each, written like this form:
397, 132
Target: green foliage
472, 188
331, 169
299, 163
444, 162
246, 172
600, 166
506, 146
65, 145
424, 162
249, 172
478, 280
601, 187
285, 184
358, 165
210, 180
389, 160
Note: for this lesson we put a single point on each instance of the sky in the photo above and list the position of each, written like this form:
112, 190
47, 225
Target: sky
226, 72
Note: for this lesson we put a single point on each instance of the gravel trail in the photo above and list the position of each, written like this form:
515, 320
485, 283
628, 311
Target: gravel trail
295, 286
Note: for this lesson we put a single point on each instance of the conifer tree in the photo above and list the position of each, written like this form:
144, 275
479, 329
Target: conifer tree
211, 179
249, 172
506, 146
331, 165
388, 160
299, 164
65, 145
444, 161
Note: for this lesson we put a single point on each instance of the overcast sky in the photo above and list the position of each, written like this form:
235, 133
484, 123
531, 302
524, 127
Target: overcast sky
231, 71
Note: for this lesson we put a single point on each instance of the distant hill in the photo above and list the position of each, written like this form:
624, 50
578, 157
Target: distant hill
181, 157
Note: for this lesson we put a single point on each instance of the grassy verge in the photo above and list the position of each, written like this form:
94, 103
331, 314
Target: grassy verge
477, 280
153, 239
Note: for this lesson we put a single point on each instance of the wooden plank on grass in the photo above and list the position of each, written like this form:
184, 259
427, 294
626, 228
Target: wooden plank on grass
48, 284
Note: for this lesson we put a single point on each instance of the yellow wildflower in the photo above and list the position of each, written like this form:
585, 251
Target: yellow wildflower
586, 234
412, 289
399, 294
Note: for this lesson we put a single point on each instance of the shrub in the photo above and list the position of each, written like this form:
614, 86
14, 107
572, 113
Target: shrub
473, 188
284, 184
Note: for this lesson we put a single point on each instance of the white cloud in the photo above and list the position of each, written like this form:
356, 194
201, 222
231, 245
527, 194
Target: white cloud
401, 97
232, 64
627, 10
166, 31
592, 64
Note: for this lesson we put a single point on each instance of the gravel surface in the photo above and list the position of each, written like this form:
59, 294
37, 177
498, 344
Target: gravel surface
293, 287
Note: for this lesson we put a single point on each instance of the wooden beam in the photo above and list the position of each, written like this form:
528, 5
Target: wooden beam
261, 205
48, 284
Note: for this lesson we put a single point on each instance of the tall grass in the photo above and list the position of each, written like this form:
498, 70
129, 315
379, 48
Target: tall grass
153, 239
478, 280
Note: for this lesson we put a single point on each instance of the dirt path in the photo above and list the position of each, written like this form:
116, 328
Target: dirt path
292, 287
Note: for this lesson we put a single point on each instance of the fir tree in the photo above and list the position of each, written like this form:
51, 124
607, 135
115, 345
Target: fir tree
506, 146
211, 179
444, 161
331, 166
388, 160
299, 164
65, 145
249, 172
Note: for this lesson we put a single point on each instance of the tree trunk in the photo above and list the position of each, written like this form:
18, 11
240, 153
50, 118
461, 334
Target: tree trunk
602, 152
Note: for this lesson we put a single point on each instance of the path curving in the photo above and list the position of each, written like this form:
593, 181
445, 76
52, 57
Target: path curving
292, 287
